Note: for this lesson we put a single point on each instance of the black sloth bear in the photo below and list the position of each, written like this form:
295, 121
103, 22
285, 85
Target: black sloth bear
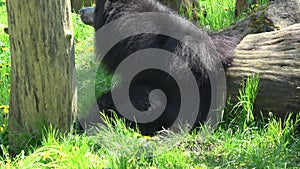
149, 80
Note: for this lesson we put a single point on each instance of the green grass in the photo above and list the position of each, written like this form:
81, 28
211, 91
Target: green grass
86, 68
4, 75
274, 145
214, 14
240, 141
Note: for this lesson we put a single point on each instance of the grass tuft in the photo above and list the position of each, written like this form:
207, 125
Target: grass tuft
240, 141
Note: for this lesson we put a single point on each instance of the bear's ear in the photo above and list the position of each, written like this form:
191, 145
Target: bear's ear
99, 14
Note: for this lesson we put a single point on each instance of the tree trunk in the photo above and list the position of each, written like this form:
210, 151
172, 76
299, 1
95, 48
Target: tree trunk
275, 56
243, 6
43, 89
78, 4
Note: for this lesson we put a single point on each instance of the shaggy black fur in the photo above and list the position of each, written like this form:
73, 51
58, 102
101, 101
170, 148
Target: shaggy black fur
109, 10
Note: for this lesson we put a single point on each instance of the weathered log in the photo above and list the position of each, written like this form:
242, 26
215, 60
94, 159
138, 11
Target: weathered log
275, 56
276, 15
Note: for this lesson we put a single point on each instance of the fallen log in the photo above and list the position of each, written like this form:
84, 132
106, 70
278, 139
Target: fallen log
275, 56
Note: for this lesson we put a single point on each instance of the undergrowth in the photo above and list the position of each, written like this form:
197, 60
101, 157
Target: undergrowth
241, 140
215, 14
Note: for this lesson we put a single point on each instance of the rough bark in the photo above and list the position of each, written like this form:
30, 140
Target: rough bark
275, 56
243, 6
277, 15
282, 13
43, 89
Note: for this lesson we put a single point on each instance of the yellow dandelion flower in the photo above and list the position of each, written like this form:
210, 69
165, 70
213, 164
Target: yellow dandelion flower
152, 167
6, 74
131, 160
20, 163
7, 165
202, 166
138, 135
243, 164
75, 148
91, 48
147, 137
93, 4
60, 156
4, 49
6, 110
46, 155
2, 107
1, 129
